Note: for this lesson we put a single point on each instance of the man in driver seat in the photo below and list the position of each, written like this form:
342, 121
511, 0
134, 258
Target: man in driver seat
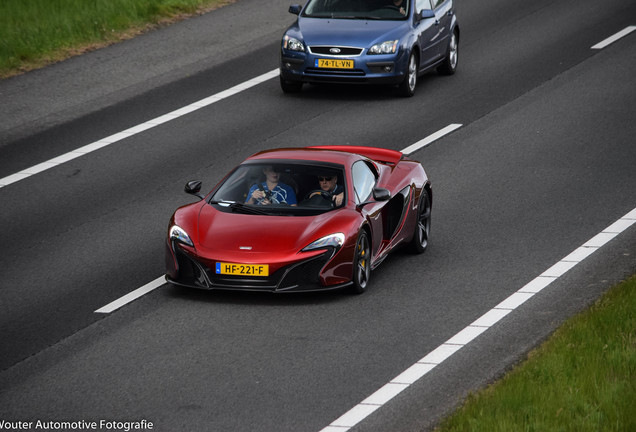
330, 188
400, 5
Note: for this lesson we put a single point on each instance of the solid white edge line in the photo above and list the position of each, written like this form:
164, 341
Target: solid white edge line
28, 172
614, 38
112, 306
413, 373
429, 139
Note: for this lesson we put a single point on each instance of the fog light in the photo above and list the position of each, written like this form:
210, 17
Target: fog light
388, 68
288, 65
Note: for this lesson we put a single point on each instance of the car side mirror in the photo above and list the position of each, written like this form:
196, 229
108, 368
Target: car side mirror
426, 14
295, 9
194, 188
381, 194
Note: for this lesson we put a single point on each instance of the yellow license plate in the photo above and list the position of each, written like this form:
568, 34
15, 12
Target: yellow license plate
334, 63
242, 269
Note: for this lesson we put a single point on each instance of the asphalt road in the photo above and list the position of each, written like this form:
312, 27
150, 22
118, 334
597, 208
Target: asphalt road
543, 162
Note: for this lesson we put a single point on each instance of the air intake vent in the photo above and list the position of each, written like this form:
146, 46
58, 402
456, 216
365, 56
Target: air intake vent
335, 51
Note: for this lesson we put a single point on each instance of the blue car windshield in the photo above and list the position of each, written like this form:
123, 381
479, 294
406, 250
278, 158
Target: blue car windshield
358, 9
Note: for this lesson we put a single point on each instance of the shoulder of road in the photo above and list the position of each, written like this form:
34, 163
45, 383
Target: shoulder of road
62, 92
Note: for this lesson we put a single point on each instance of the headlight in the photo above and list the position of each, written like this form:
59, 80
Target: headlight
292, 44
387, 47
333, 240
177, 233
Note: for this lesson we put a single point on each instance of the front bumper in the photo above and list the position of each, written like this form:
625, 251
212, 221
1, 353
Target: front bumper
305, 275
368, 69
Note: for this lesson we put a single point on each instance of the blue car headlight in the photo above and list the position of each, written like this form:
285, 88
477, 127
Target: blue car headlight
386, 47
333, 240
292, 44
178, 234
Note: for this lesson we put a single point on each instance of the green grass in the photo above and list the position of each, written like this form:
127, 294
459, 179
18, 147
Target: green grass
37, 32
582, 379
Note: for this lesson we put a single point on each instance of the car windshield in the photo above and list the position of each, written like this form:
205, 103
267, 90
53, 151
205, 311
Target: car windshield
358, 9
287, 188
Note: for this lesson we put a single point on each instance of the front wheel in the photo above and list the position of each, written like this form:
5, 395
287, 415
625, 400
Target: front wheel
422, 230
407, 87
290, 86
361, 263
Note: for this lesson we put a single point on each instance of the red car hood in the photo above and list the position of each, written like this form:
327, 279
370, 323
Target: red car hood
230, 235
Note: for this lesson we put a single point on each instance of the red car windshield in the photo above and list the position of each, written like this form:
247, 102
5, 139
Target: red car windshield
282, 188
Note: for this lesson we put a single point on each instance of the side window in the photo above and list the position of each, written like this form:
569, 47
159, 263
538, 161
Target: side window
422, 4
363, 181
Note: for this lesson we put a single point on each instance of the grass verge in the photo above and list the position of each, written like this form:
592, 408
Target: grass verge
34, 33
582, 379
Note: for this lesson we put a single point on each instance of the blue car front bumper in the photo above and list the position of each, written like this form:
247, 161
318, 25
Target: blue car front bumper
371, 69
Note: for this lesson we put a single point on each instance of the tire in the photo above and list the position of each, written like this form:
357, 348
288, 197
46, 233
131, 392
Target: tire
361, 264
407, 86
290, 86
422, 231
449, 66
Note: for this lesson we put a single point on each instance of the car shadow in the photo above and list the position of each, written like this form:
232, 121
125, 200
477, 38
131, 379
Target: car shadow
256, 298
361, 92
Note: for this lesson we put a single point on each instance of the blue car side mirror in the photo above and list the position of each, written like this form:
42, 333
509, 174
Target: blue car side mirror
427, 13
295, 9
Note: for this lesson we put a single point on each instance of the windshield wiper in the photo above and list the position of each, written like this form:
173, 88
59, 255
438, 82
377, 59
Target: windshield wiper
355, 17
222, 202
247, 209
240, 207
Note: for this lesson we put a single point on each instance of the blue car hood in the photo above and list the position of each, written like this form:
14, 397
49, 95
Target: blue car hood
342, 32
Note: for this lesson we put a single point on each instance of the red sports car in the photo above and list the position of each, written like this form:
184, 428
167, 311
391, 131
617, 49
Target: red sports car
300, 219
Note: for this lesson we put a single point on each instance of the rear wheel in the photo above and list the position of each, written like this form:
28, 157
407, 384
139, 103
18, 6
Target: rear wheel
407, 87
423, 225
452, 56
361, 263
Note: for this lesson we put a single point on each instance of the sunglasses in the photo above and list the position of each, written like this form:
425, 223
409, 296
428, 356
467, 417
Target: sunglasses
325, 179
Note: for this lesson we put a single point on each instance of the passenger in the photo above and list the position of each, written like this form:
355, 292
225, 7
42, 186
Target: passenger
271, 191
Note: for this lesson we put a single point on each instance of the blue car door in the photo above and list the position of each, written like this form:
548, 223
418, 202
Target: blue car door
444, 16
428, 34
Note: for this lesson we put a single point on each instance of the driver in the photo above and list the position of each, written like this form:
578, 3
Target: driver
329, 184
271, 191
400, 5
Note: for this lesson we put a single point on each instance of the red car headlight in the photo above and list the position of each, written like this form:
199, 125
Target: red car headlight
178, 234
333, 240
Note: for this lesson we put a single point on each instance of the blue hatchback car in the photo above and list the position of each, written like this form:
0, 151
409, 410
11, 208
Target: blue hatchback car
369, 41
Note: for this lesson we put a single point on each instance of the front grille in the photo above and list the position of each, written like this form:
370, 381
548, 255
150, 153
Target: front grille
339, 72
303, 275
327, 50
